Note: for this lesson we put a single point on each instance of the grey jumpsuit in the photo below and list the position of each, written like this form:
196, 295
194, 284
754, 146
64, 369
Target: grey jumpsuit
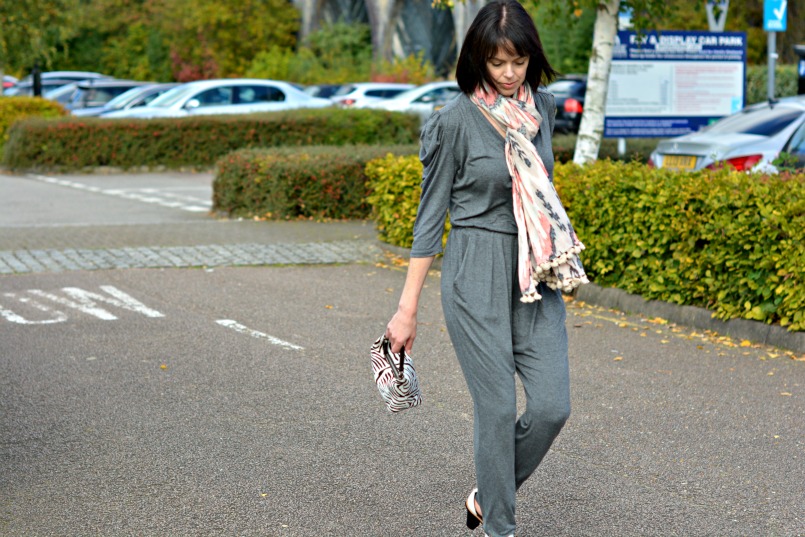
493, 333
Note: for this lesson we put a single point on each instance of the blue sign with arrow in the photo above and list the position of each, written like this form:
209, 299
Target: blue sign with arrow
774, 15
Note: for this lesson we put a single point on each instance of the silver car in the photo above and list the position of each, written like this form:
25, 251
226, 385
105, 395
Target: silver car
359, 94
225, 96
749, 140
139, 96
420, 100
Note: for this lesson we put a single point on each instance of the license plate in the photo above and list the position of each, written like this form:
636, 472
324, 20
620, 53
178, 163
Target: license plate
679, 162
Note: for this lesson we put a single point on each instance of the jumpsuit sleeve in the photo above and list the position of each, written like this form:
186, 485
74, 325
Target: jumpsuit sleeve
551, 106
546, 105
438, 155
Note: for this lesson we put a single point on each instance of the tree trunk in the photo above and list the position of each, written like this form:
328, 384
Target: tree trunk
592, 121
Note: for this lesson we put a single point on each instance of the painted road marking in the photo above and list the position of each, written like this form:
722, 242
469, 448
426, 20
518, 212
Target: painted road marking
77, 299
145, 195
237, 327
7, 314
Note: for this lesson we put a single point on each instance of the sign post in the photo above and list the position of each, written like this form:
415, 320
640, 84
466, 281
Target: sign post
774, 20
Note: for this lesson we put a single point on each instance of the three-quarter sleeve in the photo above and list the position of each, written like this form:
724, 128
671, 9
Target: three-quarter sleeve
546, 106
551, 107
438, 153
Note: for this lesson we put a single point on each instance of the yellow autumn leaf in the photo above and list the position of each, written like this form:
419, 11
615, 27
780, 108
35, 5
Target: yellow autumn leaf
746, 343
618, 358
786, 394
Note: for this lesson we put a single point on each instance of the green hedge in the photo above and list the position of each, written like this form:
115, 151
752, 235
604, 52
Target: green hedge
637, 149
77, 143
308, 182
728, 241
757, 80
395, 187
17, 108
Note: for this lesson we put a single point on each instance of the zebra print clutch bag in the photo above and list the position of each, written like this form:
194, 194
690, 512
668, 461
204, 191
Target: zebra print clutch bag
395, 376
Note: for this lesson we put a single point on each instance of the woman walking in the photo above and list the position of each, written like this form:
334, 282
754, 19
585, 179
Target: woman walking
487, 158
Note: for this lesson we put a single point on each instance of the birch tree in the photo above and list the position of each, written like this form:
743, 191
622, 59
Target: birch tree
591, 129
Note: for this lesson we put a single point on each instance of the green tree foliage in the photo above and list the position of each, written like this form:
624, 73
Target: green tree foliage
336, 54
216, 38
145, 39
34, 31
567, 40
742, 16
120, 38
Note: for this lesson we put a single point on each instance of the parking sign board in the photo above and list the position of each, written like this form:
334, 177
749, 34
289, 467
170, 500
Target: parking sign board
670, 83
774, 15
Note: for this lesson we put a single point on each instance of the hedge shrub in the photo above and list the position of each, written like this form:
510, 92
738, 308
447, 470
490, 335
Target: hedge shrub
15, 108
757, 81
637, 149
77, 143
394, 185
307, 182
728, 241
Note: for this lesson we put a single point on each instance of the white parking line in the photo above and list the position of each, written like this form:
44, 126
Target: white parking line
145, 195
237, 327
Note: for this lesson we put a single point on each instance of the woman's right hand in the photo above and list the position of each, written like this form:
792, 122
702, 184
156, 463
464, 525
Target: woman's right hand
401, 331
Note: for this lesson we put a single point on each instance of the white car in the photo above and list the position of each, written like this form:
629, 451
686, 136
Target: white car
359, 94
420, 100
225, 96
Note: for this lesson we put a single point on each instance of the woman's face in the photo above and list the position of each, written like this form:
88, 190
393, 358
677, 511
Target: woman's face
507, 71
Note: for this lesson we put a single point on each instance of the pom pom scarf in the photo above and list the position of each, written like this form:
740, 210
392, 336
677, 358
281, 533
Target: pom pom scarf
548, 247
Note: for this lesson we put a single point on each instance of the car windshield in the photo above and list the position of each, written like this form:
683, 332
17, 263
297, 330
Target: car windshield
344, 90
56, 94
125, 98
763, 122
169, 98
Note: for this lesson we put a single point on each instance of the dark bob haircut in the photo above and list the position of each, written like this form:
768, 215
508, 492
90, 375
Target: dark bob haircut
501, 24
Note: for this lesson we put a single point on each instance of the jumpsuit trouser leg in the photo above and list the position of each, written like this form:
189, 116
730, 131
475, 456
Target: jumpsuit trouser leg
496, 336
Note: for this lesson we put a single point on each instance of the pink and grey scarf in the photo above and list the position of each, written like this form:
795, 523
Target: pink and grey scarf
548, 246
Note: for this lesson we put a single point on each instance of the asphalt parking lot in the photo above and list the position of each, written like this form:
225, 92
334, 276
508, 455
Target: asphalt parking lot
230, 392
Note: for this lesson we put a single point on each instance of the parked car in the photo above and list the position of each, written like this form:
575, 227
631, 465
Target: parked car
94, 93
8, 83
51, 80
359, 94
225, 96
746, 140
420, 100
62, 94
569, 93
75, 76
796, 148
26, 89
133, 98
325, 91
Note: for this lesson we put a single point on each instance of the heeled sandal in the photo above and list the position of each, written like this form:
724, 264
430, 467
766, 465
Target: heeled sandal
473, 518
